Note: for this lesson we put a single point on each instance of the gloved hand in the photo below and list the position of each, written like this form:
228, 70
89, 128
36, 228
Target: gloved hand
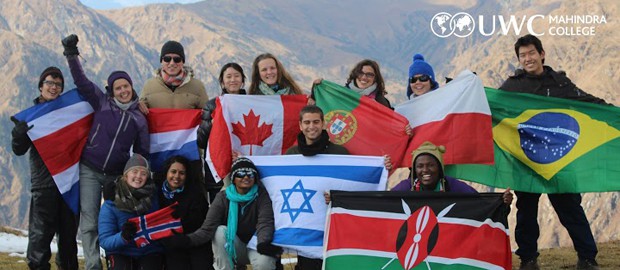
109, 190
176, 241
128, 231
176, 213
70, 44
268, 249
21, 128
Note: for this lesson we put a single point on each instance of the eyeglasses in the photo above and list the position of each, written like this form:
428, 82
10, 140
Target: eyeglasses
368, 75
176, 59
242, 174
52, 84
422, 78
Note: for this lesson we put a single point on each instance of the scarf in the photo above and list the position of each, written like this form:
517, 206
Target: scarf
133, 200
272, 90
124, 106
234, 199
316, 148
174, 81
364, 92
439, 188
169, 194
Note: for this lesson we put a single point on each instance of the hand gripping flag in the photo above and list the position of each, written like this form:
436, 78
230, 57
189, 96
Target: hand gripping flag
296, 184
417, 230
457, 116
59, 132
252, 125
157, 225
549, 145
361, 124
173, 132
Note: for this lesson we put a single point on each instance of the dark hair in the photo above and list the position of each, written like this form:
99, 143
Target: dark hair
236, 67
378, 77
311, 109
526, 40
284, 79
173, 159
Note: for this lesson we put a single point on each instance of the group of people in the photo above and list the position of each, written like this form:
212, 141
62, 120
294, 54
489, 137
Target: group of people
218, 221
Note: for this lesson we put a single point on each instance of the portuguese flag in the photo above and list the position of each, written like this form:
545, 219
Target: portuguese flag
417, 230
549, 145
359, 123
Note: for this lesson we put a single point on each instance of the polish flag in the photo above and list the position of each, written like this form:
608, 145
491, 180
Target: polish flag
59, 131
173, 132
252, 125
456, 116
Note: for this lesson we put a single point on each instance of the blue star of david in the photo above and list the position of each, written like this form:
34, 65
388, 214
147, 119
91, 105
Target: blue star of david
305, 205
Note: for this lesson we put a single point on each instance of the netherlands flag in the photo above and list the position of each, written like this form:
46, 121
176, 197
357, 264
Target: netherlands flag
157, 225
252, 125
173, 132
59, 133
296, 184
456, 116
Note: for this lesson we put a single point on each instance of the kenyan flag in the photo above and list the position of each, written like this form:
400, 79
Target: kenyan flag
413, 230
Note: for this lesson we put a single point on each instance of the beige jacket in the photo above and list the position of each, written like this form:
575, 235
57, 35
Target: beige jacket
191, 94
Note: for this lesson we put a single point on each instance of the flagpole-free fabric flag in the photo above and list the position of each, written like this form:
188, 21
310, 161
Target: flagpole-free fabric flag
59, 133
252, 125
359, 123
417, 230
296, 184
456, 116
157, 225
173, 132
549, 145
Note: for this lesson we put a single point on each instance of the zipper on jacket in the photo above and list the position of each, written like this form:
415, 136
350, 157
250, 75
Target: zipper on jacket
107, 158
95, 134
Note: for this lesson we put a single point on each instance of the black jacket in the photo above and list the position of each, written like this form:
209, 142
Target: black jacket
192, 208
550, 83
40, 176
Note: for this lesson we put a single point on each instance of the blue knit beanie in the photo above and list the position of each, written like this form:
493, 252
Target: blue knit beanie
419, 66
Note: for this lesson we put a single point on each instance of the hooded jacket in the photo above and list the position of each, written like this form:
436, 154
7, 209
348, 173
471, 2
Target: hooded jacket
114, 131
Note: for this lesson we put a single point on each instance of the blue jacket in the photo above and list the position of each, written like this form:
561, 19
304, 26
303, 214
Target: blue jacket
114, 131
111, 219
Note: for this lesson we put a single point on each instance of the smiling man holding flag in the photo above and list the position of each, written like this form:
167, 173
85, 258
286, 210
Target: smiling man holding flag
535, 78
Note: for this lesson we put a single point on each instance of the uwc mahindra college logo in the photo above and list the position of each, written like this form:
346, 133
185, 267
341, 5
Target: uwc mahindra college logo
341, 125
462, 24
444, 25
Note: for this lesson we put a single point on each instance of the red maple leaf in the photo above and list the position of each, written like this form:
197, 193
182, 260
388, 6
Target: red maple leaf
251, 133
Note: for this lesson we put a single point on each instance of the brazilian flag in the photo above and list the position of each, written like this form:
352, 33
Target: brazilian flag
549, 145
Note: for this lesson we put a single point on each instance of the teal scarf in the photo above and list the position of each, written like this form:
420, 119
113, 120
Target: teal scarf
233, 220
268, 90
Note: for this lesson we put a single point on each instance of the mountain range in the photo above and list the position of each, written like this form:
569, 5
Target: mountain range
313, 39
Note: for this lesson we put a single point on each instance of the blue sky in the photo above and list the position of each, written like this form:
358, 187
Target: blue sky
113, 4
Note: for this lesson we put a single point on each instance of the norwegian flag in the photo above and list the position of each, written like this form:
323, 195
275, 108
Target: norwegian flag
157, 225
59, 132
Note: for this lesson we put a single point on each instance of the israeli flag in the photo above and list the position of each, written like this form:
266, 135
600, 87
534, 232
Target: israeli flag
296, 185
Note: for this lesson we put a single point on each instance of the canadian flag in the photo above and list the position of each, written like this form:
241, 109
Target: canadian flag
252, 125
456, 116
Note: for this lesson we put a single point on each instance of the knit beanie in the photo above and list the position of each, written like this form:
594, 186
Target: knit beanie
119, 74
429, 148
243, 164
419, 66
172, 47
55, 72
136, 160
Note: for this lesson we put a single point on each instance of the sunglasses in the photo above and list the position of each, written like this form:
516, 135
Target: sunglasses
423, 78
176, 59
242, 174
52, 84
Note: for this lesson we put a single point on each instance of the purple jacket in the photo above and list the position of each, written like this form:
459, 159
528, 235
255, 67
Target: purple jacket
114, 131
453, 185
